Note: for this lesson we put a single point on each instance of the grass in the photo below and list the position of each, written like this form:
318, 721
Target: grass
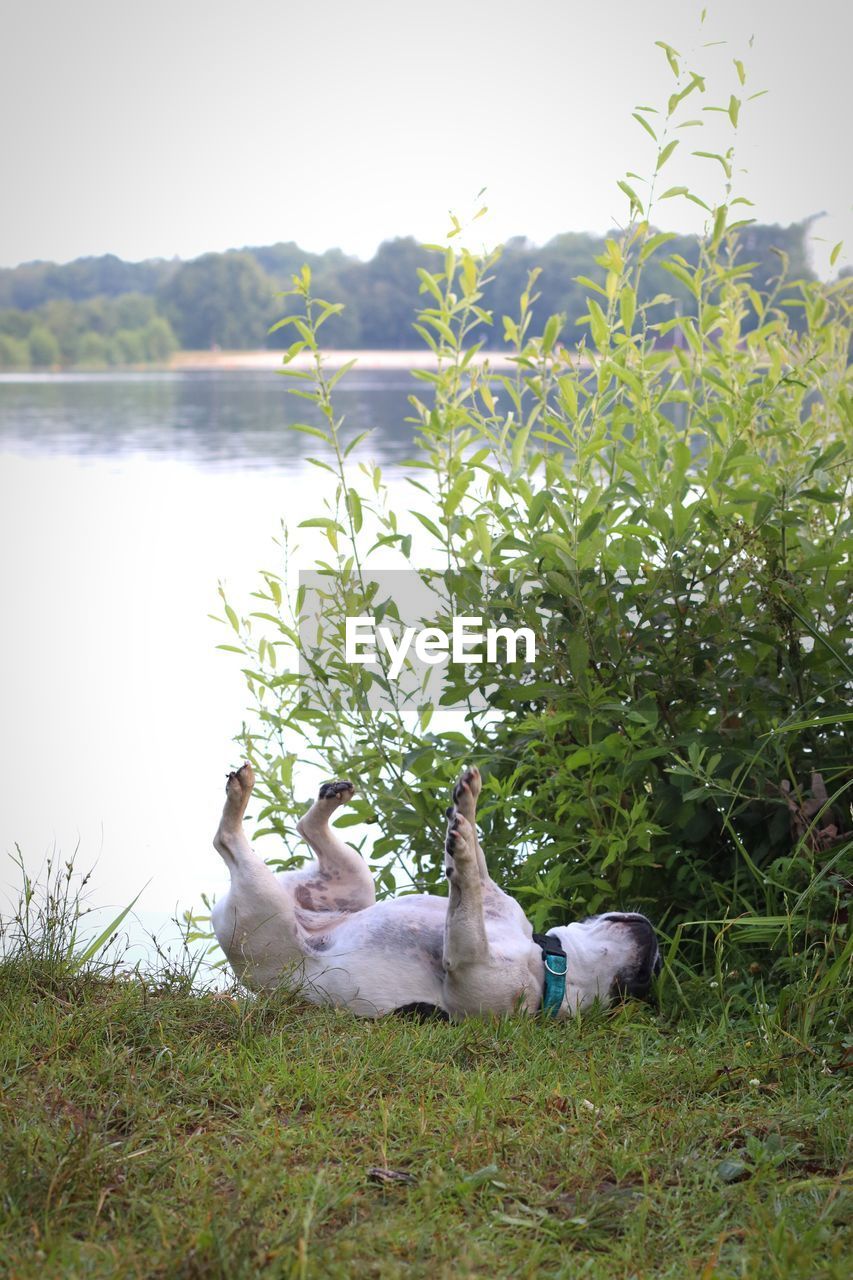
152, 1129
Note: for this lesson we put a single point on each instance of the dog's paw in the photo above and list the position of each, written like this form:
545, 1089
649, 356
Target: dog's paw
239, 783
470, 783
238, 789
458, 846
339, 792
329, 798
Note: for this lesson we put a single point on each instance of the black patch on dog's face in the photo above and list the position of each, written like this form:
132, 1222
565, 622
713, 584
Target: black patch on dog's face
636, 979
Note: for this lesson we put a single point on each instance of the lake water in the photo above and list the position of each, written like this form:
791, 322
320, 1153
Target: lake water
206, 419
124, 498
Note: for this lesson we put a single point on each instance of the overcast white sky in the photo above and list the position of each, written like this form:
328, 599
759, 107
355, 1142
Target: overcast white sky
178, 126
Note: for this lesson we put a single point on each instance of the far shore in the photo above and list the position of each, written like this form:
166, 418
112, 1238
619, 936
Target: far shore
269, 361
198, 361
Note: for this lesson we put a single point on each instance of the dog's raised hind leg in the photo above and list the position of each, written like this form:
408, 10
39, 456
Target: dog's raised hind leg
465, 941
230, 839
255, 922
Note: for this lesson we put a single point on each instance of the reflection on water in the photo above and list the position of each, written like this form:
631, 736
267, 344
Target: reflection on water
210, 418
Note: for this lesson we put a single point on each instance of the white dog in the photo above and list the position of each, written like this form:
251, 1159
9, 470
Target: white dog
321, 930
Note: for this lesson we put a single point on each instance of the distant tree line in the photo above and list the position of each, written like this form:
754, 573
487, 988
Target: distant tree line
103, 311
95, 333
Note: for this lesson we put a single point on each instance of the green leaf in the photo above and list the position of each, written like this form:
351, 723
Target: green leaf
672, 56
310, 431
734, 109
428, 525
598, 325
350, 820
590, 284
537, 507
280, 324
627, 307
591, 523
680, 273
83, 957
354, 443
568, 393
636, 203
654, 242
575, 759
429, 284
354, 509
551, 333
665, 154
714, 155
484, 541
441, 327
519, 444
820, 495
320, 522
648, 128
578, 654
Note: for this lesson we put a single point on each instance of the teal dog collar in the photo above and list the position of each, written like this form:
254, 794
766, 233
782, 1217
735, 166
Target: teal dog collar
556, 965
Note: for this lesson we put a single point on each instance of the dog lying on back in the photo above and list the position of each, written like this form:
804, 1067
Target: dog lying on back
321, 931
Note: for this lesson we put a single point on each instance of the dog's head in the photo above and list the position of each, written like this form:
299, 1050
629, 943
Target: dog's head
609, 957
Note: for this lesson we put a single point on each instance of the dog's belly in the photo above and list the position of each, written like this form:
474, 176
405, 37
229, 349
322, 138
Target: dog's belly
379, 959
391, 955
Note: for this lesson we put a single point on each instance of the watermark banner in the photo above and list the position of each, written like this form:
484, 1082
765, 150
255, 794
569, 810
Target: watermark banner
468, 638
415, 638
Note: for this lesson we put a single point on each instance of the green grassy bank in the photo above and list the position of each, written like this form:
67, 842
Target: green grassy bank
151, 1131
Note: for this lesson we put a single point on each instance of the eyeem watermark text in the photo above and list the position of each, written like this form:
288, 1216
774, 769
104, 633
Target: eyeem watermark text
432, 646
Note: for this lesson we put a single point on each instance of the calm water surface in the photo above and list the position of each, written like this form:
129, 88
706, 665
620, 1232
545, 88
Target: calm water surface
210, 418
124, 499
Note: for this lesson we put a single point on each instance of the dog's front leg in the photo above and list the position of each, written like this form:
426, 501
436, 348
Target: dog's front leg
465, 795
341, 881
465, 941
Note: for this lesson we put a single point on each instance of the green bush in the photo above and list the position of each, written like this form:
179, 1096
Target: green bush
668, 507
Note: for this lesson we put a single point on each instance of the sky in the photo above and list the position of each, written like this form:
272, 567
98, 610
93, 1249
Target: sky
177, 127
